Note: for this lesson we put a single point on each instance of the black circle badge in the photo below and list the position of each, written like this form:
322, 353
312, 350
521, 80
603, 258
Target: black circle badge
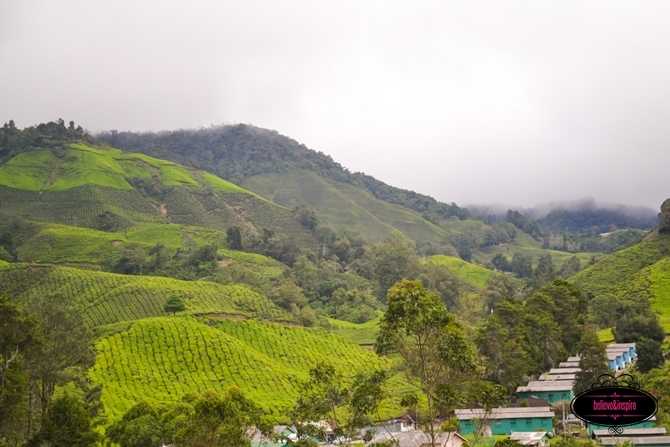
614, 402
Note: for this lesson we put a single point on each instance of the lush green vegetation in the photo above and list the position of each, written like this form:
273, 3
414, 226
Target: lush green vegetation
161, 359
472, 273
106, 298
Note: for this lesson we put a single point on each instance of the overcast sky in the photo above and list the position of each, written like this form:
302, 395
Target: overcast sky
518, 102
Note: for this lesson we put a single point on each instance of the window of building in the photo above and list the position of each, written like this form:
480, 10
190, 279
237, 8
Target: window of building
551, 396
529, 421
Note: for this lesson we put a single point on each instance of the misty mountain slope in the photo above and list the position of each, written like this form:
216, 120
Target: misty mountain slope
344, 205
561, 220
108, 189
236, 152
640, 271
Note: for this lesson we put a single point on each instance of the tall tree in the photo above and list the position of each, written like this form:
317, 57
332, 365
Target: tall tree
649, 355
394, 260
18, 336
592, 362
431, 342
65, 350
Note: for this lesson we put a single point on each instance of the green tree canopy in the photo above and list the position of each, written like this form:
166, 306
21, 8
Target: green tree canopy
67, 424
432, 344
174, 304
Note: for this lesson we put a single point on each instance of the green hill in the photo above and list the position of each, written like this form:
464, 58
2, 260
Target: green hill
344, 205
161, 359
642, 270
84, 186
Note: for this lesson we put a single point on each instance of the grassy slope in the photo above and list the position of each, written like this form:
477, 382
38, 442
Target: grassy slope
471, 273
162, 358
362, 334
87, 182
344, 205
59, 243
641, 270
107, 298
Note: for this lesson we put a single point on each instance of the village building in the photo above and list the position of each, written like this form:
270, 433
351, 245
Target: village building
504, 421
417, 438
645, 424
553, 391
632, 432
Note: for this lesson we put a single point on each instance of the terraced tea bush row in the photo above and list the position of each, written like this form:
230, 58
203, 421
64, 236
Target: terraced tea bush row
297, 347
77, 206
60, 243
108, 298
160, 359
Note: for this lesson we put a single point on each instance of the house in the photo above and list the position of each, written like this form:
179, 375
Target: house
632, 432
530, 438
575, 358
619, 355
414, 438
503, 421
553, 391
646, 441
645, 424
612, 361
630, 347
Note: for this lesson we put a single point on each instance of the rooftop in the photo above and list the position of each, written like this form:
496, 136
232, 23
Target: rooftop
655, 431
551, 377
524, 436
546, 385
505, 413
569, 364
636, 440
564, 370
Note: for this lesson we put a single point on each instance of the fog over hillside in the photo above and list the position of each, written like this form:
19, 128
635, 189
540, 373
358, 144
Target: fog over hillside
541, 210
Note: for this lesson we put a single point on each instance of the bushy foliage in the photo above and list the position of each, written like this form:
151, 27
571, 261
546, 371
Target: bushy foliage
529, 337
67, 424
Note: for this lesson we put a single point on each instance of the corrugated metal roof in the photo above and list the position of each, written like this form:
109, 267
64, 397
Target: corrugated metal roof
564, 370
551, 377
542, 385
574, 359
637, 440
568, 365
527, 435
505, 413
655, 431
